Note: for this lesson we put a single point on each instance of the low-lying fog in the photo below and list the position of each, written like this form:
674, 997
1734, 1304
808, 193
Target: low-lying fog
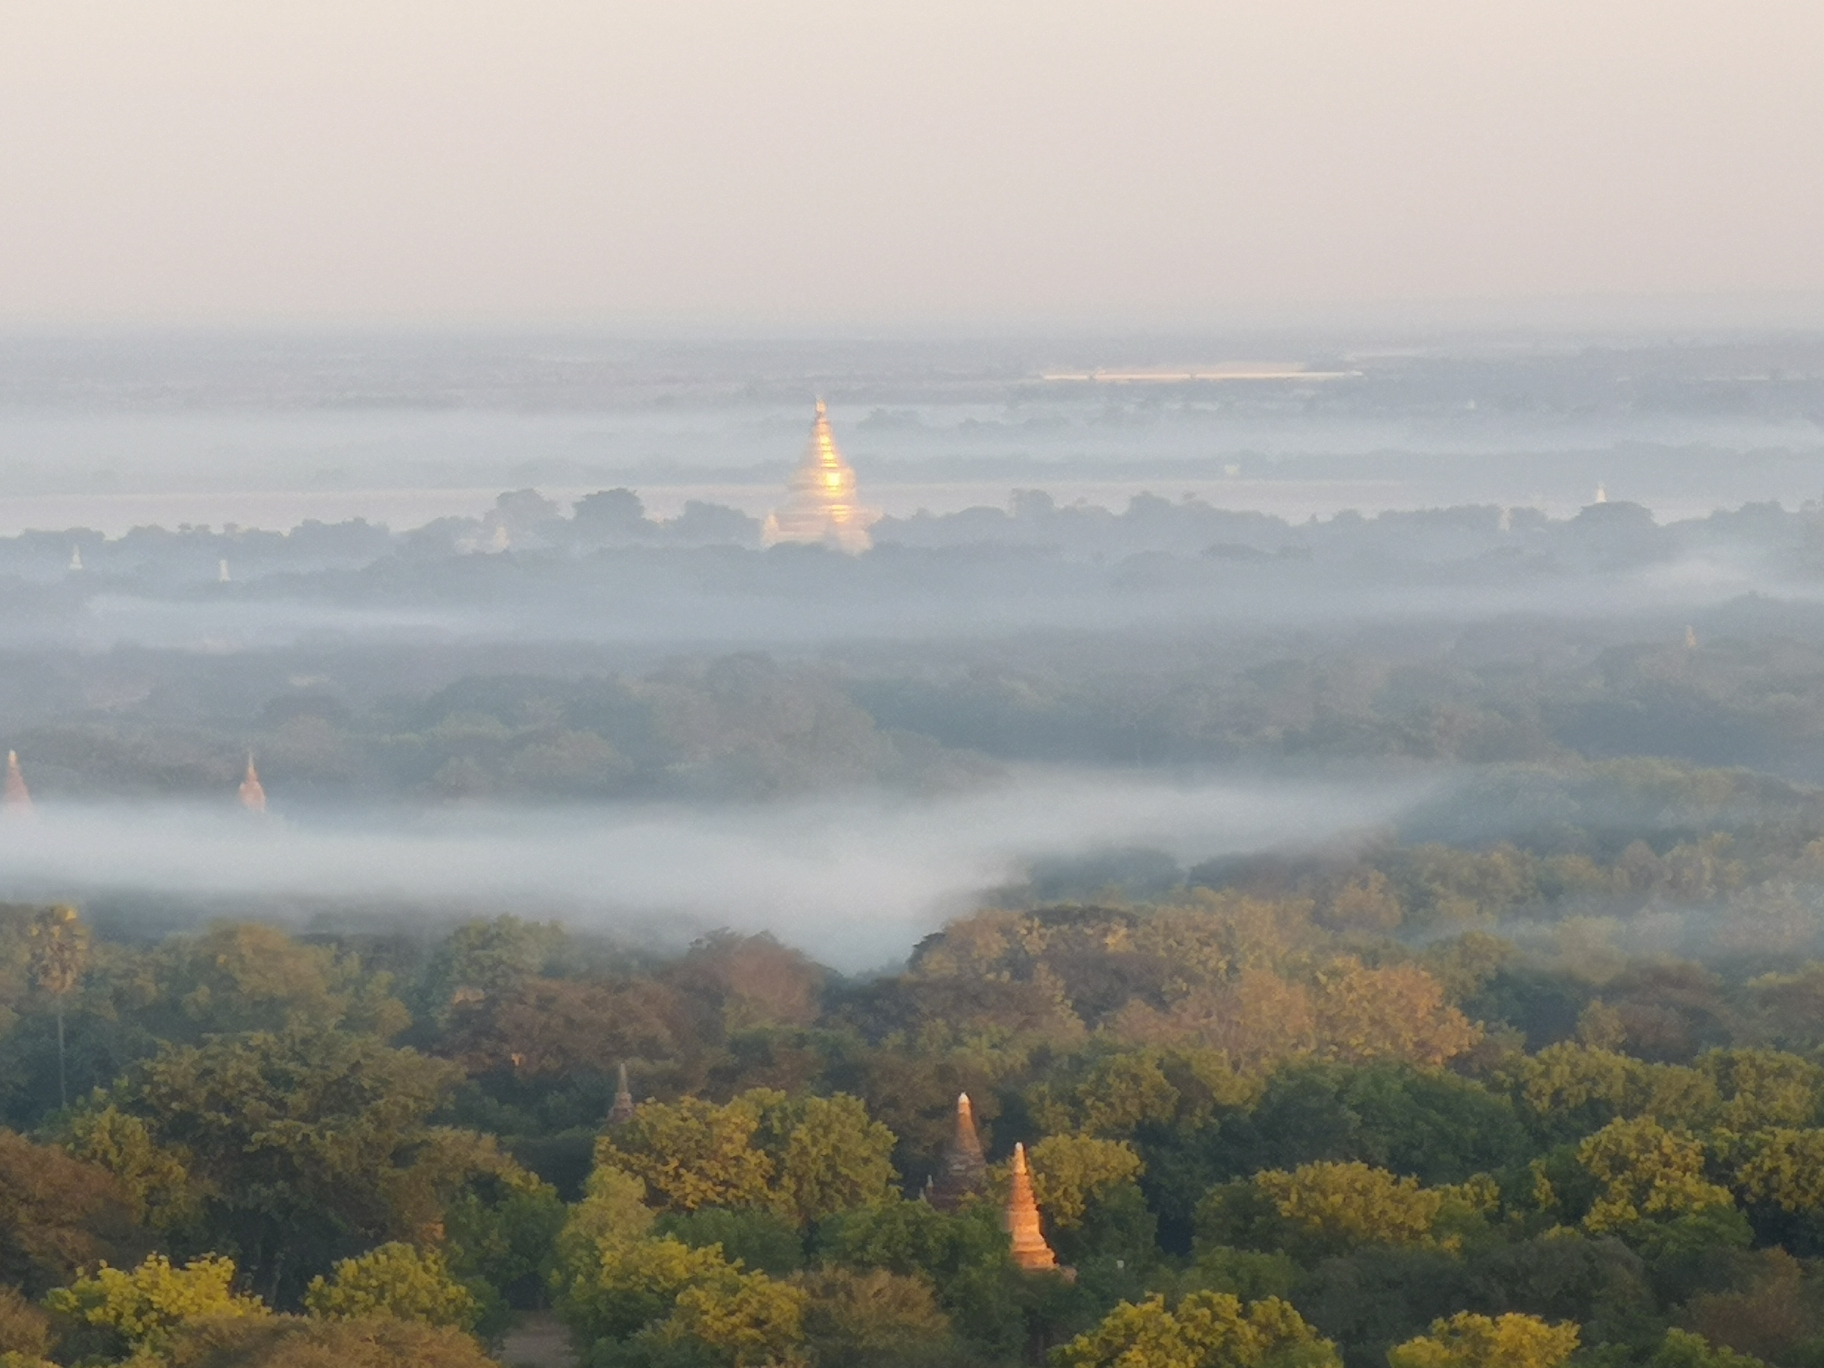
855, 879
497, 619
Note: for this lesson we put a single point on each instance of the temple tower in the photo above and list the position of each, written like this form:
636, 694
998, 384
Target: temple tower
622, 1110
1021, 1220
821, 506
965, 1169
18, 799
252, 792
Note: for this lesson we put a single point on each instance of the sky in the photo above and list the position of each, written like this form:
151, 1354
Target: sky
791, 162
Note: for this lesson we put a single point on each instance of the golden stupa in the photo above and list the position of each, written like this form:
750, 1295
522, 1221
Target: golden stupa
252, 793
1021, 1220
821, 508
18, 799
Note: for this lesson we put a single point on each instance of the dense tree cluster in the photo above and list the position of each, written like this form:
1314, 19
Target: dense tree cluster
355, 722
1423, 1103
1172, 633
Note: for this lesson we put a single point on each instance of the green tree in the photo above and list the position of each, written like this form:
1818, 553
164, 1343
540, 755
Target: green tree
1471, 1341
964, 1254
1071, 1171
481, 963
308, 1342
1121, 1092
1325, 1209
1682, 1349
393, 1280
872, 1319
60, 954
313, 1142
633, 1283
833, 1157
504, 1230
756, 1237
158, 1185
244, 976
1205, 1330
139, 1308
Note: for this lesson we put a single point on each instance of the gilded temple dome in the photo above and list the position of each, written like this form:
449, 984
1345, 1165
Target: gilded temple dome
821, 506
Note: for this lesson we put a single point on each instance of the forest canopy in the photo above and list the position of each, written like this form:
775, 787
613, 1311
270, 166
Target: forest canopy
1558, 1098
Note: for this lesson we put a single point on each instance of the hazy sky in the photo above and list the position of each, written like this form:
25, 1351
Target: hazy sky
760, 161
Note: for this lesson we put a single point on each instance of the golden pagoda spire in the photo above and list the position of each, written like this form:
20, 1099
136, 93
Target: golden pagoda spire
821, 506
18, 799
1030, 1251
965, 1167
252, 792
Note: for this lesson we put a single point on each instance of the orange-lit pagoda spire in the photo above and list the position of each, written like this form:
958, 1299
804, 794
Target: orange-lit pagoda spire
1030, 1251
821, 507
18, 799
252, 792
965, 1168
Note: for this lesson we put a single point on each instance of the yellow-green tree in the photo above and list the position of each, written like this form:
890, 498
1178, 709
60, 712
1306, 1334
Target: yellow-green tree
393, 1280
1644, 1170
746, 1320
1204, 1330
1575, 1085
1471, 1341
141, 1307
633, 1283
613, 1211
807, 1159
1764, 1088
694, 1153
1780, 1167
1329, 1208
1682, 1349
